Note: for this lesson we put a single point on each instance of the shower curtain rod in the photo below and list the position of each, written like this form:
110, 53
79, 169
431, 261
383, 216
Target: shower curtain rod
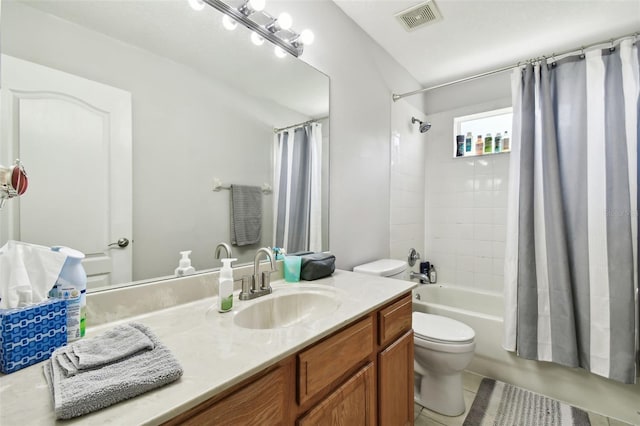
555, 56
315, 120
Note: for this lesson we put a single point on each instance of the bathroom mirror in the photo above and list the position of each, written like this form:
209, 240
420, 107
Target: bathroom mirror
202, 105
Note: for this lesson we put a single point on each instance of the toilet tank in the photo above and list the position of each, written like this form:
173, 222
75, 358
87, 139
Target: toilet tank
391, 268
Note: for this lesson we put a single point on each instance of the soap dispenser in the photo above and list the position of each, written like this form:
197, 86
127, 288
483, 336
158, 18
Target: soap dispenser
184, 266
225, 286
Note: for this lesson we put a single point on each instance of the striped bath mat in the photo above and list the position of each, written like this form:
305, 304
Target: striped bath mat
501, 404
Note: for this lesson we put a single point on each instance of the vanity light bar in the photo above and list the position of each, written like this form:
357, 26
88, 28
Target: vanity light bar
292, 45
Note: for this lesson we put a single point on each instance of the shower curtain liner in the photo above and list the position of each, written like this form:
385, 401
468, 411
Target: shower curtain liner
571, 265
298, 188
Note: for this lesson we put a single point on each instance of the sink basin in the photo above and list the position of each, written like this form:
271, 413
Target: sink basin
288, 308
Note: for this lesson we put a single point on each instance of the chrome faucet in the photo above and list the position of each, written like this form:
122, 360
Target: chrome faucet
226, 248
423, 277
258, 284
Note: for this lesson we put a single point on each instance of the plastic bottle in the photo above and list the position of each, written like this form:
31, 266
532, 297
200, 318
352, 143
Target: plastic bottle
497, 142
506, 141
467, 143
479, 145
184, 266
225, 286
488, 144
459, 145
71, 285
424, 269
433, 276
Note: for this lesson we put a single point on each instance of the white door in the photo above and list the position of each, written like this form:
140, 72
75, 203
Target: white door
74, 137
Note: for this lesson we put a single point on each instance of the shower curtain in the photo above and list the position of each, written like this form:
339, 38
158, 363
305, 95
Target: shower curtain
572, 232
298, 188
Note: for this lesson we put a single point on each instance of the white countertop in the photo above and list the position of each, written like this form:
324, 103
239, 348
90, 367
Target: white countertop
214, 353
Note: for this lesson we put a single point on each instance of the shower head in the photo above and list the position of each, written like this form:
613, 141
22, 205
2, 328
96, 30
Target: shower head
424, 126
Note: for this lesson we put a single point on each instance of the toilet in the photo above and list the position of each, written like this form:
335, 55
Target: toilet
443, 348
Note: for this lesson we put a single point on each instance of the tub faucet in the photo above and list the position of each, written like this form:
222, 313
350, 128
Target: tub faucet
258, 284
424, 278
226, 248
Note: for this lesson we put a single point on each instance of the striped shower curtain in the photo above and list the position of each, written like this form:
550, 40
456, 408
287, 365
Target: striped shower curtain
572, 231
298, 189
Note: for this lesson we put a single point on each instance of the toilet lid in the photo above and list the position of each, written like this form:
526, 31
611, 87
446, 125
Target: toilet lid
441, 329
382, 267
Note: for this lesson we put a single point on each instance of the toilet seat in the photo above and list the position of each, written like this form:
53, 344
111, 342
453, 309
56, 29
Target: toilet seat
442, 330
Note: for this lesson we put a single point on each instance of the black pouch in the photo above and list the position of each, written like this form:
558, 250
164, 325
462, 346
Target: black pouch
317, 265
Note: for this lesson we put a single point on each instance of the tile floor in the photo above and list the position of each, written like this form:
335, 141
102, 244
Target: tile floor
425, 417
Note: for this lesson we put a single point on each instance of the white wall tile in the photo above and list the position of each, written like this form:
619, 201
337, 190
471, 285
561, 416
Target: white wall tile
466, 202
464, 278
483, 232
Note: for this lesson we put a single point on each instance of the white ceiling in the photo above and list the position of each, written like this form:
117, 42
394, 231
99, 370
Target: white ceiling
475, 36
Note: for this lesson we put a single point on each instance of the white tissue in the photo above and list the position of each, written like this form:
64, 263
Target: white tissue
27, 273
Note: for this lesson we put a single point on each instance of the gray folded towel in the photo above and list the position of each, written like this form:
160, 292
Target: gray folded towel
118, 379
113, 345
246, 215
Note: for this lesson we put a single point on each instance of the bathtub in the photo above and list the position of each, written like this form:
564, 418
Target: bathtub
483, 311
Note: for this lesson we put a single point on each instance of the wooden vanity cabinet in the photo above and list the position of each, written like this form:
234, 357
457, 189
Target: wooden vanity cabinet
359, 375
265, 400
395, 363
395, 382
353, 403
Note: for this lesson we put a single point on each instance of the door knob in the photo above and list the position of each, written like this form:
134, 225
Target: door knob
121, 243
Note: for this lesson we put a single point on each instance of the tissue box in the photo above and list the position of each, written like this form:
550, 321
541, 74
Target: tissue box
29, 335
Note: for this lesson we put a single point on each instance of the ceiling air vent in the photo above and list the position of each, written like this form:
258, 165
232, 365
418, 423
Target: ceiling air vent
420, 15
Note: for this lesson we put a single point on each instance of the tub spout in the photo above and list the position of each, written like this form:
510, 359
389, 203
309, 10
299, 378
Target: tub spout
424, 278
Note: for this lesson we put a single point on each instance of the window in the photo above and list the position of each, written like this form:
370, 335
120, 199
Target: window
484, 133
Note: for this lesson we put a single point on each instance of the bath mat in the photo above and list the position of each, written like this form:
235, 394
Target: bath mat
501, 404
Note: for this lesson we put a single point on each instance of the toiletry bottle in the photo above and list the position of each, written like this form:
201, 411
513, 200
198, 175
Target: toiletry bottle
225, 286
459, 145
497, 143
184, 267
488, 144
479, 145
424, 269
71, 285
506, 141
433, 278
467, 143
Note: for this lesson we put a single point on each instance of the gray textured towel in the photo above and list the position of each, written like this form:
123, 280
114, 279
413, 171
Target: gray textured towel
111, 346
99, 387
246, 215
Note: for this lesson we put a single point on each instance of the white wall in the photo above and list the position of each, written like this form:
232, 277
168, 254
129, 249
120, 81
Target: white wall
407, 179
466, 206
187, 129
363, 78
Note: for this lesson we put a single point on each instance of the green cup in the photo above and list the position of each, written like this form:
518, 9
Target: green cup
292, 268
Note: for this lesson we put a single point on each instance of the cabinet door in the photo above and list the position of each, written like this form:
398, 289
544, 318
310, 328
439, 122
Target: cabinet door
395, 385
263, 402
353, 403
324, 363
394, 320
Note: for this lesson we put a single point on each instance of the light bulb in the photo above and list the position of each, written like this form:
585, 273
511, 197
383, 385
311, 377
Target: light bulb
279, 52
257, 5
285, 21
196, 4
229, 23
256, 39
307, 37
